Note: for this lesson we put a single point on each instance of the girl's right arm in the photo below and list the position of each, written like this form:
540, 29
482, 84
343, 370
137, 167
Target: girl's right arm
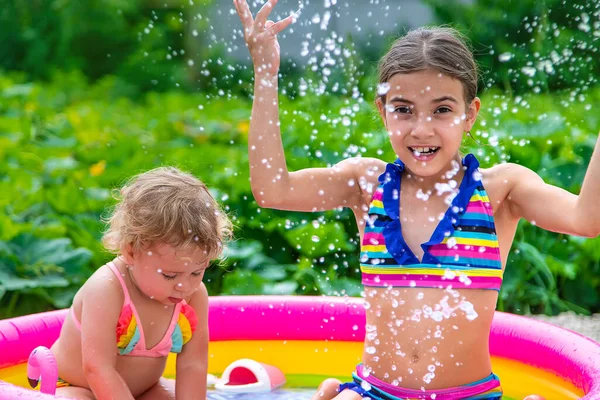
273, 186
101, 306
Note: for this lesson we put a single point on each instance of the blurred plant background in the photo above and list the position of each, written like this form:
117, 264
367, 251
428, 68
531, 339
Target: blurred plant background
94, 92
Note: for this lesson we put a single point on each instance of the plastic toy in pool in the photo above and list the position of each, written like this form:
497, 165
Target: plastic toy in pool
250, 376
311, 338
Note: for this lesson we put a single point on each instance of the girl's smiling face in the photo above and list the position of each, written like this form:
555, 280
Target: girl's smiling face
426, 116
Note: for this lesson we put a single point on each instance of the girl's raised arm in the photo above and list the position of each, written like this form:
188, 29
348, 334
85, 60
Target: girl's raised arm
553, 208
272, 184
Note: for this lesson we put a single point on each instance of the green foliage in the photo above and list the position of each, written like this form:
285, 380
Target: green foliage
145, 45
141, 44
525, 45
553, 135
65, 144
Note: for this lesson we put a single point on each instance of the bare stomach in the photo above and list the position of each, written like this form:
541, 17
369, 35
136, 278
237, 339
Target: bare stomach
424, 338
139, 373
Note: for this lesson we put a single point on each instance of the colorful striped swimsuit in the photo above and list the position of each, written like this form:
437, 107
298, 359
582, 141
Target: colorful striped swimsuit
463, 250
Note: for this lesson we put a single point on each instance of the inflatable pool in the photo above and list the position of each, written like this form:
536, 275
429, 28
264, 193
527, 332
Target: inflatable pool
310, 338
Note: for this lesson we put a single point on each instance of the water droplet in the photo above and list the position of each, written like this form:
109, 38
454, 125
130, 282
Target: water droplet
529, 71
383, 88
451, 242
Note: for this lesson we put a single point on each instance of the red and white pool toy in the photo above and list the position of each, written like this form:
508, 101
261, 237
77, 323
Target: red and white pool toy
249, 376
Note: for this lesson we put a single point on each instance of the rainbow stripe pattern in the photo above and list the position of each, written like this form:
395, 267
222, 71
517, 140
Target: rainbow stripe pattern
185, 327
463, 251
129, 334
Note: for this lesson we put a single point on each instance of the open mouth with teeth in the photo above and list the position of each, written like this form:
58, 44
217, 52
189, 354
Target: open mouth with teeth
423, 150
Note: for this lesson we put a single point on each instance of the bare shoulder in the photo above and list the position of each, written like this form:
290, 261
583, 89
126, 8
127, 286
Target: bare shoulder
199, 299
501, 179
507, 174
102, 286
365, 173
366, 170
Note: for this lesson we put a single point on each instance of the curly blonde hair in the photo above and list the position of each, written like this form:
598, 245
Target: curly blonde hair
167, 206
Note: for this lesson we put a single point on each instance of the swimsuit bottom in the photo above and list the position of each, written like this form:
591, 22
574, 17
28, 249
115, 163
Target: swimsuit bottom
376, 389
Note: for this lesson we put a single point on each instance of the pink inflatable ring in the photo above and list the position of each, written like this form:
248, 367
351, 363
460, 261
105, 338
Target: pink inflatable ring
319, 321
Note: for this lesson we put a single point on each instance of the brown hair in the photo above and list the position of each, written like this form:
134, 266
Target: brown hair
167, 206
442, 49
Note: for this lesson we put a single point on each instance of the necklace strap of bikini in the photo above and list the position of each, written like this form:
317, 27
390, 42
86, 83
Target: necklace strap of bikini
117, 273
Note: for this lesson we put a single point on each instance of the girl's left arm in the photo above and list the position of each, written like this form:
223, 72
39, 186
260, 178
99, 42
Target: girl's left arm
192, 362
553, 208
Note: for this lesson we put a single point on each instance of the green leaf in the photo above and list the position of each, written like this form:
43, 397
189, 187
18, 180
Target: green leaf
590, 246
22, 90
242, 249
59, 252
99, 194
345, 286
60, 164
64, 297
272, 272
562, 268
10, 228
538, 261
281, 288
318, 239
11, 282
240, 282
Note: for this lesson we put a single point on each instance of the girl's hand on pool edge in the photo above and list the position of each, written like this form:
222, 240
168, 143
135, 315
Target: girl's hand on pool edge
260, 35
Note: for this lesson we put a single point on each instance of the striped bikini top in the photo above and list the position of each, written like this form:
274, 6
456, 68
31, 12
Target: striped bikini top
462, 253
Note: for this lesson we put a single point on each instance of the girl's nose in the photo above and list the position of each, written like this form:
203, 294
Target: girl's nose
182, 287
422, 128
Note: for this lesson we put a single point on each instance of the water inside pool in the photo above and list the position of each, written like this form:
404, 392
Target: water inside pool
280, 394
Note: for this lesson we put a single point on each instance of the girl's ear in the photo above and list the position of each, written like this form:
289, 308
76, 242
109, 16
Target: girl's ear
381, 109
471, 114
127, 253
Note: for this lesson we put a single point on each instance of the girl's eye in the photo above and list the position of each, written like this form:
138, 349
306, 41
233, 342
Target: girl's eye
443, 110
169, 277
402, 110
197, 273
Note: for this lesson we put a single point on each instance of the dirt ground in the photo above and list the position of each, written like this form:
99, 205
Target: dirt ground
586, 325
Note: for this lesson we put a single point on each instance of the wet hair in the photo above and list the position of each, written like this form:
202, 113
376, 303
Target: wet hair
166, 206
442, 49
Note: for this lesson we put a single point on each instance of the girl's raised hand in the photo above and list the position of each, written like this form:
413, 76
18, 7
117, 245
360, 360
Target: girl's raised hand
260, 35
